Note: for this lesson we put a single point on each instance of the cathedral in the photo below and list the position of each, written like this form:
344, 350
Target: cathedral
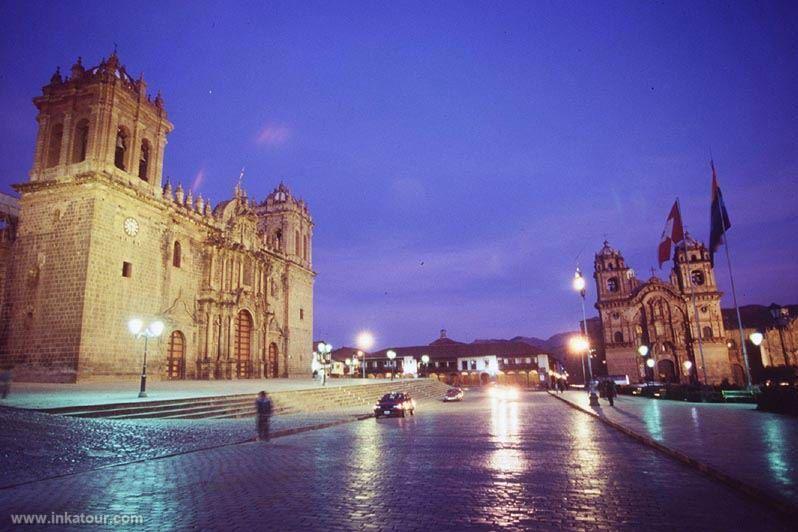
679, 321
97, 239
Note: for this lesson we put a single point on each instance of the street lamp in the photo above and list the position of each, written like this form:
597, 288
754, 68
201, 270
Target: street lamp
579, 344
643, 352
153, 330
365, 341
324, 350
756, 338
362, 357
425, 361
392, 355
580, 286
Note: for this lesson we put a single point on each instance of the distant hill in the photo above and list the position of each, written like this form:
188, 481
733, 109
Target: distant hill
555, 345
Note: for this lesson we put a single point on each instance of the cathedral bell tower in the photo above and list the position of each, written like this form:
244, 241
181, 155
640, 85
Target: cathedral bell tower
692, 268
100, 120
614, 280
287, 224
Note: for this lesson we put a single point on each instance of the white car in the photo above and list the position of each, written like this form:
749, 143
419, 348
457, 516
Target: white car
453, 394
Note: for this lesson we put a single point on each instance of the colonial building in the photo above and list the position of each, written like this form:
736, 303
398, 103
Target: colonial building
779, 329
679, 320
466, 363
100, 239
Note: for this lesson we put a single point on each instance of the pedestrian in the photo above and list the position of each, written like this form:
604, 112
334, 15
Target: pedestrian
561, 385
263, 407
611, 391
5, 380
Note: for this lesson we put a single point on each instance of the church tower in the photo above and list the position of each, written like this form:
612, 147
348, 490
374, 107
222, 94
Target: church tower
614, 279
100, 120
694, 276
92, 220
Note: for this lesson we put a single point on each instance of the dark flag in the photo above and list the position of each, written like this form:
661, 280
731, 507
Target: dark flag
719, 218
671, 235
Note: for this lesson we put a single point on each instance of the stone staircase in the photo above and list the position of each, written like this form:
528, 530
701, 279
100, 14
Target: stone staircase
239, 406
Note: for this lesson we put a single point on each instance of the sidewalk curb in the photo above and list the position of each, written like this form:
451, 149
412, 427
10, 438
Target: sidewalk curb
785, 508
273, 435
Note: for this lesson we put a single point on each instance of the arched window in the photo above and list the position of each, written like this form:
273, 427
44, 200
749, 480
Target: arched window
305, 248
697, 276
618, 337
177, 255
120, 151
707, 333
278, 239
54, 150
144, 160
81, 141
298, 243
612, 284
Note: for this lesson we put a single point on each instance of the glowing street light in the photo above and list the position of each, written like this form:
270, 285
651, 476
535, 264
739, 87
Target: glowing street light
687, 366
153, 330
579, 344
650, 362
391, 354
425, 361
580, 286
365, 341
642, 350
324, 349
756, 338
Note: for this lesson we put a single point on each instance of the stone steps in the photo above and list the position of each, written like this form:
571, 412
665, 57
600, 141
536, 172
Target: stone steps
243, 405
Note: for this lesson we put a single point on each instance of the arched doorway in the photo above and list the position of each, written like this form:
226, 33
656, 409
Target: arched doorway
272, 365
666, 370
176, 356
484, 378
243, 345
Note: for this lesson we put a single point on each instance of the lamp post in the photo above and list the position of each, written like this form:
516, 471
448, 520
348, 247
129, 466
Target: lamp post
780, 320
579, 344
391, 356
643, 352
153, 330
365, 341
425, 361
362, 357
324, 350
580, 286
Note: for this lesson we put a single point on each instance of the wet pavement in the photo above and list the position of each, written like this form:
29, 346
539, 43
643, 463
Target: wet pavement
759, 448
532, 464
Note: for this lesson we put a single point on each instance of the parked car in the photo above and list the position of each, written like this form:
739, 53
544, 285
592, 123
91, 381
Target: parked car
395, 404
453, 394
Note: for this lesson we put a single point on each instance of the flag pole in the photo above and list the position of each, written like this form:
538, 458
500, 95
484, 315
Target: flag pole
721, 207
695, 307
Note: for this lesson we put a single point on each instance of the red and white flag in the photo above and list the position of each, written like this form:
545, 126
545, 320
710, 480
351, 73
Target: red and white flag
671, 235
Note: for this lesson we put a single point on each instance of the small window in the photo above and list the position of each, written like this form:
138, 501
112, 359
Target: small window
697, 276
473, 364
707, 333
618, 337
465, 364
177, 255
612, 284
528, 360
487, 363
301, 314
517, 361
127, 269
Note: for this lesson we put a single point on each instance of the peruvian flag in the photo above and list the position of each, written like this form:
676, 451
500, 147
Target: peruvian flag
671, 235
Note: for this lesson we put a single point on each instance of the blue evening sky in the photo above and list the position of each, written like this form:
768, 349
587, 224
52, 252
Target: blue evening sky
459, 158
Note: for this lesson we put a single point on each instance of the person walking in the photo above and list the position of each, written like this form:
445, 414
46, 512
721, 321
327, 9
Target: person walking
263, 407
612, 391
5, 381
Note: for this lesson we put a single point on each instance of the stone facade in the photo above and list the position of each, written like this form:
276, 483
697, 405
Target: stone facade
679, 320
100, 240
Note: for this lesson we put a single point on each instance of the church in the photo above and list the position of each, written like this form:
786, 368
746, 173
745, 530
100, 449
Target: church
97, 238
679, 320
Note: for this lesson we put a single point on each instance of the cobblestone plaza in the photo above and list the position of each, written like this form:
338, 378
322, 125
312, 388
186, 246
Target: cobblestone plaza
532, 464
